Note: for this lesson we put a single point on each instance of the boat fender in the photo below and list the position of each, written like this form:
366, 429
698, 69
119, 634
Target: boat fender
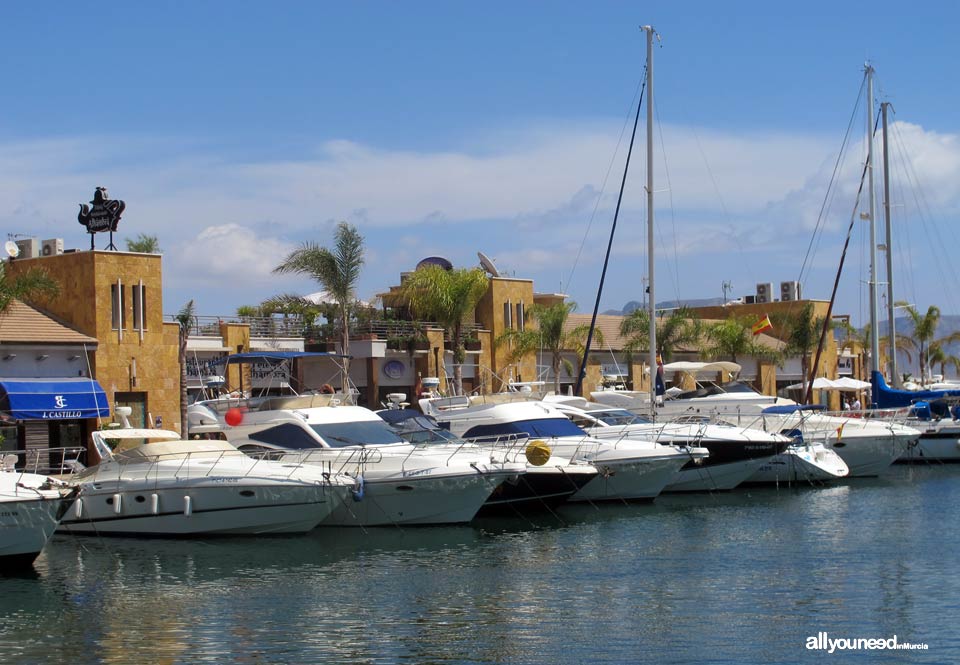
357, 490
537, 452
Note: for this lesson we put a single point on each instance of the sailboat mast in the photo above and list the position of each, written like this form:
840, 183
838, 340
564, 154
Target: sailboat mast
651, 298
891, 322
874, 330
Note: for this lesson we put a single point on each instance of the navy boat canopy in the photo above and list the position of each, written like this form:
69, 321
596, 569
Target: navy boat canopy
53, 399
274, 356
885, 397
792, 408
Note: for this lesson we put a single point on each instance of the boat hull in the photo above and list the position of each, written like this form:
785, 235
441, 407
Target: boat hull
415, 500
715, 477
868, 457
204, 507
630, 480
934, 446
540, 488
801, 465
26, 525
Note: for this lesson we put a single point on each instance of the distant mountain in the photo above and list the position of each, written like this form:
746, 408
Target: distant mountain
668, 304
949, 324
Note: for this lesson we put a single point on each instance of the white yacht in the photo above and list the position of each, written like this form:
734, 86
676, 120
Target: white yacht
549, 481
395, 482
867, 445
939, 441
628, 470
31, 506
721, 455
170, 487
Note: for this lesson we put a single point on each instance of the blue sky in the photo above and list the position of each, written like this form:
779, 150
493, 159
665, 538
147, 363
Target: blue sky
235, 131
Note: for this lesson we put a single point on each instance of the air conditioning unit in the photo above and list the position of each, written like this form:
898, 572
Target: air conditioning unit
789, 291
52, 247
765, 292
29, 248
749, 300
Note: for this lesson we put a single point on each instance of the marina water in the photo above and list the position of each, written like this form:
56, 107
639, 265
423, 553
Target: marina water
746, 576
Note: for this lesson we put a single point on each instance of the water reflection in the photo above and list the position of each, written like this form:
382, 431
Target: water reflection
742, 576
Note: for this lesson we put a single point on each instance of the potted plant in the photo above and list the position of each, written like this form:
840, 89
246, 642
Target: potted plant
472, 343
419, 342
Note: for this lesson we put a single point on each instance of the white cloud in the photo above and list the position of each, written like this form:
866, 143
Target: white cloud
524, 197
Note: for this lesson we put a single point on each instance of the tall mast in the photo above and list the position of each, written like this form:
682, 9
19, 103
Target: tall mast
874, 331
891, 321
651, 299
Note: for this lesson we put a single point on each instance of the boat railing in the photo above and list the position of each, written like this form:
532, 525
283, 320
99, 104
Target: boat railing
504, 444
192, 465
43, 461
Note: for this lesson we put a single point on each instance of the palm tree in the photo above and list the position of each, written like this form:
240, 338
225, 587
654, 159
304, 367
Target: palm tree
337, 271
924, 331
858, 340
549, 335
144, 244
938, 354
34, 283
186, 317
681, 327
446, 296
733, 337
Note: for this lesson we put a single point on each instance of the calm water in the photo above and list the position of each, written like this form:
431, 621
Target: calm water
739, 577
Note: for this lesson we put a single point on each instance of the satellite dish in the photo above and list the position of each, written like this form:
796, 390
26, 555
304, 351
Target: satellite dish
438, 261
12, 249
488, 265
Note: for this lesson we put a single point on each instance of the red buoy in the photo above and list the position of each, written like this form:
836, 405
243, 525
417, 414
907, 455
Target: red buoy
233, 417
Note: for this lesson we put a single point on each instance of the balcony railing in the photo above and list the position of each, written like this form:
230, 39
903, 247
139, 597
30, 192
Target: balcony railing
295, 326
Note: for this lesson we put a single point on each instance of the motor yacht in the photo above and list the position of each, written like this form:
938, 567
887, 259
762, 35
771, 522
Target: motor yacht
395, 482
549, 480
627, 470
867, 443
721, 455
31, 506
158, 485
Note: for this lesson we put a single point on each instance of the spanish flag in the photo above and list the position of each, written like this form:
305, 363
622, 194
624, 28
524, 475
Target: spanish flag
762, 325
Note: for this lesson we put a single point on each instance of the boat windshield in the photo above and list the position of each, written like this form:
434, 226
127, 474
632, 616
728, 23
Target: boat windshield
539, 427
619, 417
363, 433
286, 435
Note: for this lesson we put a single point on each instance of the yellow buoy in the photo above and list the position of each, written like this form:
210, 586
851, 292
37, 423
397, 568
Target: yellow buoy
537, 452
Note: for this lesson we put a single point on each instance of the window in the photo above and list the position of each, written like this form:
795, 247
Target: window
116, 306
507, 315
138, 294
520, 316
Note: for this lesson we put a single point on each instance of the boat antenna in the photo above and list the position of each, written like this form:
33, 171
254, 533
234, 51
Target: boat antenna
613, 229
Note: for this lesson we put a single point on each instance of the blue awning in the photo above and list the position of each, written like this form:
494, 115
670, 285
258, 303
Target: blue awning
53, 399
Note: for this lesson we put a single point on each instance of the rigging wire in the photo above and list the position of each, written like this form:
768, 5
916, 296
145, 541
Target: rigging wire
675, 273
836, 281
831, 188
936, 247
606, 260
641, 85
